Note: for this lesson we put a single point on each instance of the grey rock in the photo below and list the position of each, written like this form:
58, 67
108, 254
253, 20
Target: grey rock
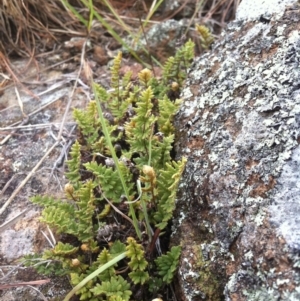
238, 205
161, 40
184, 8
253, 9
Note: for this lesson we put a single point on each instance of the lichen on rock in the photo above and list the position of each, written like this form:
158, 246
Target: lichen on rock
239, 126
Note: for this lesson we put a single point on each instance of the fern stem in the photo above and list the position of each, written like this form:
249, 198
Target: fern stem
144, 207
150, 146
116, 161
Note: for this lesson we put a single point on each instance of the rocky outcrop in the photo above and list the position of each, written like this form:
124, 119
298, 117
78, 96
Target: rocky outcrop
238, 207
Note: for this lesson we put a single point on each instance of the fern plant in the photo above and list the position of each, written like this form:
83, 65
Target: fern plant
206, 38
122, 197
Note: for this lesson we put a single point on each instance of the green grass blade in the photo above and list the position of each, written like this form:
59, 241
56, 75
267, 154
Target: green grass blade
116, 160
93, 275
75, 12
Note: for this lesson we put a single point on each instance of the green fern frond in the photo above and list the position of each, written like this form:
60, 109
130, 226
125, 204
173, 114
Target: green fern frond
127, 175
133, 95
117, 286
64, 249
57, 214
167, 111
176, 66
140, 129
68, 258
139, 277
88, 122
71, 218
73, 164
171, 69
106, 256
114, 135
149, 194
84, 292
102, 259
90, 246
161, 152
136, 253
115, 298
102, 93
116, 106
108, 180
117, 248
115, 101
167, 264
61, 218
115, 76
84, 215
155, 283
44, 267
106, 210
206, 37
45, 200
167, 186
137, 262
126, 80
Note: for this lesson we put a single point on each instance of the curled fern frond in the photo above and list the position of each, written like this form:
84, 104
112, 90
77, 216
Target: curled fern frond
145, 76
104, 212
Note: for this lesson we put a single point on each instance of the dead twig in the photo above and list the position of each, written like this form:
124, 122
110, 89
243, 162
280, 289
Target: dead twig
13, 220
31, 127
18, 284
3, 141
4, 62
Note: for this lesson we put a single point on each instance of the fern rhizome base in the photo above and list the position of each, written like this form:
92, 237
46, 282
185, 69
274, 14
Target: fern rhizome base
121, 190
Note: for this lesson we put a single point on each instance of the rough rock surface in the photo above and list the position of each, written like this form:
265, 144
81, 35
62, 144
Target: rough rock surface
238, 207
252, 9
